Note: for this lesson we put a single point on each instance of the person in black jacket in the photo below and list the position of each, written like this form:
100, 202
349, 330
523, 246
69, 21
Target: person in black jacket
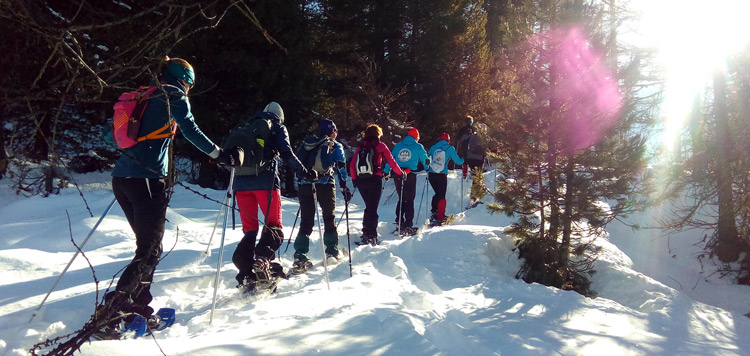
263, 190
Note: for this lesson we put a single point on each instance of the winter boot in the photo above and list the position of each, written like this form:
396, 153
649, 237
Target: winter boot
331, 240
301, 265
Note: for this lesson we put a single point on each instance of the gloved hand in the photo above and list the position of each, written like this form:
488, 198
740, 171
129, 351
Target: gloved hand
354, 183
465, 169
310, 175
387, 177
427, 161
346, 193
231, 157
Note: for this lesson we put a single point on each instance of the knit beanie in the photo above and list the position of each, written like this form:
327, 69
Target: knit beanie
413, 132
326, 127
445, 137
274, 108
469, 120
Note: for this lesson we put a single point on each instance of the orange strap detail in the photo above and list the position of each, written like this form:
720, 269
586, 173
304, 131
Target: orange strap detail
162, 132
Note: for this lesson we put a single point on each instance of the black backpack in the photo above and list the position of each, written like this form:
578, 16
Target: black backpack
252, 135
474, 149
365, 162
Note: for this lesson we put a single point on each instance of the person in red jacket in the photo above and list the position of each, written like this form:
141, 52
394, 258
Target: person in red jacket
367, 176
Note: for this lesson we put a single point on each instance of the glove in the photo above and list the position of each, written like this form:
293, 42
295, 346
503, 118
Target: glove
387, 177
427, 161
310, 175
231, 157
346, 193
354, 183
464, 169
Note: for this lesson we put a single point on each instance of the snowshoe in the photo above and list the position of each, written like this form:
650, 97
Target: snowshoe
409, 231
301, 266
368, 240
266, 276
260, 288
447, 221
108, 332
331, 259
161, 320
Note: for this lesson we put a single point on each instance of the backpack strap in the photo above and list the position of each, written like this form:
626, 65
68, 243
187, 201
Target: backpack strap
170, 128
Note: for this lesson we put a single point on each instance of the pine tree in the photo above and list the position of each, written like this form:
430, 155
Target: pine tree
710, 168
571, 143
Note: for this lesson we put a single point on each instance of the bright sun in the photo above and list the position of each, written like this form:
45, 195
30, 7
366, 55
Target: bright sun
693, 38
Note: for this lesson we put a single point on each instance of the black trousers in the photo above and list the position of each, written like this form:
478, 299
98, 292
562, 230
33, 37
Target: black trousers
144, 202
370, 189
439, 183
405, 205
326, 196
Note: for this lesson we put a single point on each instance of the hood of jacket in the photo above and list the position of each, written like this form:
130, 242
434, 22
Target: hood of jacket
312, 142
442, 144
409, 141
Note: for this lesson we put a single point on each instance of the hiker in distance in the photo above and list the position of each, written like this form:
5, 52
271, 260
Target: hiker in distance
409, 154
324, 155
257, 185
441, 153
366, 169
471, 149
141, 186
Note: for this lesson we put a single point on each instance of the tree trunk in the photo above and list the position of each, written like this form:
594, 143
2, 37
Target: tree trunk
542, 199
554, 205
727, 247
567, 219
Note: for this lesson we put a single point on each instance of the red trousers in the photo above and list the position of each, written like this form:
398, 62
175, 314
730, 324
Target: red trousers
248, 202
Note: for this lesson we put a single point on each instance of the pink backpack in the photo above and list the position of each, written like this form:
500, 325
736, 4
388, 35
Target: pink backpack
126, 120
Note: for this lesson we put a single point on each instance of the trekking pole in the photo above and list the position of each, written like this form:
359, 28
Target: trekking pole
320, 232
221, 249
345, 207
207, 253
292, 233
348, 238
462, 191
421, 200
401, 203
78, 250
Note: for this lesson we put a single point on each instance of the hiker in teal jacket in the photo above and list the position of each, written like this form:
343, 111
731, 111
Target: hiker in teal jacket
140, 185
440, 153
409, 155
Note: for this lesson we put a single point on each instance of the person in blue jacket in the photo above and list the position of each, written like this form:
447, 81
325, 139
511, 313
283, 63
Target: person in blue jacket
440, 153
325, 155
141, 186
409, 154
263, 191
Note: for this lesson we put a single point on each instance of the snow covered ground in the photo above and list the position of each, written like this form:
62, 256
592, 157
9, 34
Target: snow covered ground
448, 291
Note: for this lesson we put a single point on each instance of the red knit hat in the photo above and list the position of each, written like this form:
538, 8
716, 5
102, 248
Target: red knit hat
445, 137
413, 132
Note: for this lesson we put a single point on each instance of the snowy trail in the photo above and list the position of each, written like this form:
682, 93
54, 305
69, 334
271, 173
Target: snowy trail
447, 291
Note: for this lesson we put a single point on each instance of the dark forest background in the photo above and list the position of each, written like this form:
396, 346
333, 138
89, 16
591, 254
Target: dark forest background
400, 64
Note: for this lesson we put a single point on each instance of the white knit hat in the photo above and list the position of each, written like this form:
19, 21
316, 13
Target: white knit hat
274, 108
